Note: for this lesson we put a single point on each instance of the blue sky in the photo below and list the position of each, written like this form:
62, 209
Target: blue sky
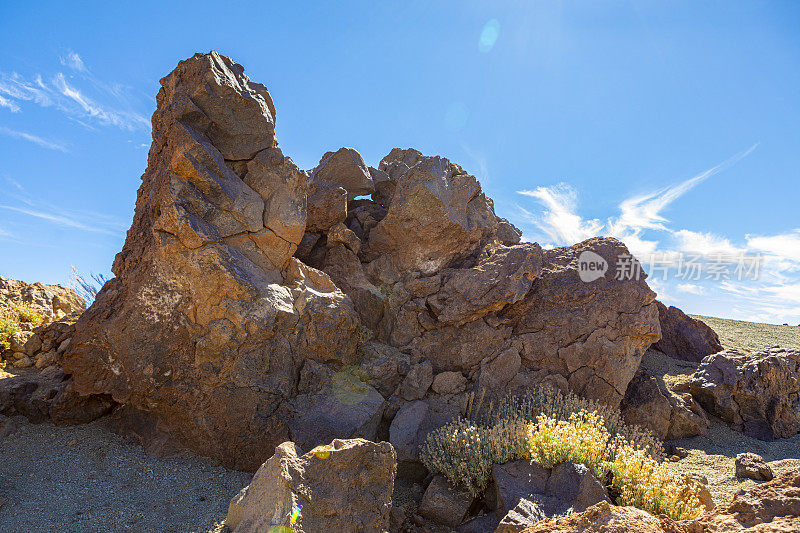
674, 126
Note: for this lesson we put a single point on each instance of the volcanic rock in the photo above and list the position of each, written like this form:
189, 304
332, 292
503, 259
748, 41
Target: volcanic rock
759, 393
443, 503
345, 168
254, 303
684, 337
52, 301
209, 318
667, 415
752, 466
343, 486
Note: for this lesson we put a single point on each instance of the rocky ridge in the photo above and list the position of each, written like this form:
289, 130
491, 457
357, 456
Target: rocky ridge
255, 303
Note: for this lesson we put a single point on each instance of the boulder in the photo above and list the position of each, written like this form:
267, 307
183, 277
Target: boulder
486, 523
565, 488
669, 416
443, 503
607, 518
326, 205
684, 337
345, 168
769, 507
404, 432
343, 486
335, 404
508, 233
417, 382
437, 213
449, 383
210, 318
759, 393
597, 352
752, 466
501, 277
772, 507
49, 395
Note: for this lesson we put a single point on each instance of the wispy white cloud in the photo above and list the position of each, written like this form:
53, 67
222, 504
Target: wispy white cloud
690, 288
73, 61
560, 221
93, 110
19, 201
44, 143
8, 104
644, 227
645, 211
66, 96
706, 244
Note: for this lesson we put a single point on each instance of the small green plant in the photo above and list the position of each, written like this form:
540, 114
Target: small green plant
7, 329
550, 428
11, 318
26, 313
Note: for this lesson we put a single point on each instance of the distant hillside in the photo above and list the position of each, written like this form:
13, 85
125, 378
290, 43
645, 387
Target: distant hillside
752, 335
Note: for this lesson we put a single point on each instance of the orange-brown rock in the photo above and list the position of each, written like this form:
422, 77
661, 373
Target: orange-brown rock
209, 318
239, 313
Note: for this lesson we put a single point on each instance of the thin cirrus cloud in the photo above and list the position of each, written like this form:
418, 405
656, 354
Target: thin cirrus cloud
35, 139
63, 94
642, 226
73, 61
24, 204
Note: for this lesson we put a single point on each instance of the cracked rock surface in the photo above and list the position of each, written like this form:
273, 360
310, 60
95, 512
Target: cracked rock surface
256, 303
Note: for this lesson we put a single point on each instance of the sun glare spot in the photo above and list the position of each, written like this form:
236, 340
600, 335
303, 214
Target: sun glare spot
489, 34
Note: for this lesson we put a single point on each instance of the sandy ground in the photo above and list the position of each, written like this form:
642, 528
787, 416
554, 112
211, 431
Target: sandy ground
84, 478
713, 455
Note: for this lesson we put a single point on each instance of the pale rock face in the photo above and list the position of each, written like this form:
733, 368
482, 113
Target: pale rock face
759, 393
343, 486
752, 466
52, 301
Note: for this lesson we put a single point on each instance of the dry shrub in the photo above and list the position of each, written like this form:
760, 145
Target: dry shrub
551, 428
12, 317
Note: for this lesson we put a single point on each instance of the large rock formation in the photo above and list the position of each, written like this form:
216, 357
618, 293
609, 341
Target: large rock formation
210, 319
759, 393
52, 301
684, 337
254, 303
343, 486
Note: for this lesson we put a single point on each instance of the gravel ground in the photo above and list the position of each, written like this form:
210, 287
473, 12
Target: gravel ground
85, 478
713, 455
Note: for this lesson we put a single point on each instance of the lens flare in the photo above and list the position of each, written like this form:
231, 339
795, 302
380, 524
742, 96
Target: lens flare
295, 516
489, 35
350, 385
322, 452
